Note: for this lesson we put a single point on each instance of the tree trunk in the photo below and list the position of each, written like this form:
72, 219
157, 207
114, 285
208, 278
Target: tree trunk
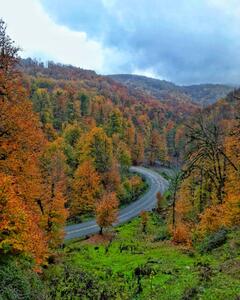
173, 210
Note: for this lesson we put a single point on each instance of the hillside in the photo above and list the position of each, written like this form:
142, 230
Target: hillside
131, 264
176, 107
206, 94
202, 94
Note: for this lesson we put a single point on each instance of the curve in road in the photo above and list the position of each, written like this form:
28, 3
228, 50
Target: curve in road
147, 202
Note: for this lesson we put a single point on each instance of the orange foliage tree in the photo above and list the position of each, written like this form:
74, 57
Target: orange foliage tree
226, 213
156, 147
21, 143
86, 189
106, 211
208, 198
19, 225
138, 149
32, 177
53, 199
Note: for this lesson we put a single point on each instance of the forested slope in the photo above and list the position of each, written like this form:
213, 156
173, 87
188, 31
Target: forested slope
68, 137
206, 190
201, 94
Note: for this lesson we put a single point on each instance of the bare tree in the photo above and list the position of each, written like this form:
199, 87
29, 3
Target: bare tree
205, 153
173, 189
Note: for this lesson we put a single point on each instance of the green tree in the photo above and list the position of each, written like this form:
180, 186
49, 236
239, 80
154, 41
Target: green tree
85, 103
97, 146
42, 105
115, 124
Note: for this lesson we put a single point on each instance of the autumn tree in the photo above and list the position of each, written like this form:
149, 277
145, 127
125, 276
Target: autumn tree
21, 144
160, 202
144, 220
52, 202
19, 224
232, 199
129, 133
173, 189
122, 153
138, 149
208, 197
226, 213
106, 211
170, 132
96, 146
112, 179
156, 148
207, 154
144, 125
185, 212
86, 187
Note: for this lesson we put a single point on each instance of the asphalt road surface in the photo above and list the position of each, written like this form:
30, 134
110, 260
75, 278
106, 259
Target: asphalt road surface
145, 203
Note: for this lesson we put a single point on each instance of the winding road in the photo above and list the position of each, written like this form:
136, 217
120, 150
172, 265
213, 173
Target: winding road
147, 202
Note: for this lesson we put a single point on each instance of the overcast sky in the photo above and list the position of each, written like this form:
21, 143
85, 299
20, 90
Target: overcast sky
184, 41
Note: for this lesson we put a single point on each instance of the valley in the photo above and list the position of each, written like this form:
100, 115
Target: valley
115, 187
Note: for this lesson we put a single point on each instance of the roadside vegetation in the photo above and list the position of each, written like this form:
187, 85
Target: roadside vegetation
132, 263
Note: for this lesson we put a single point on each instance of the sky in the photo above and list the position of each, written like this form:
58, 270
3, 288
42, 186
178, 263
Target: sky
183, 41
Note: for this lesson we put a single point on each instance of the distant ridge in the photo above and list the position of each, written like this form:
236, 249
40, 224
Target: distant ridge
202, 94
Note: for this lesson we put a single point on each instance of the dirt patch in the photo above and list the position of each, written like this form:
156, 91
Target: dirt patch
99, 239
232, 268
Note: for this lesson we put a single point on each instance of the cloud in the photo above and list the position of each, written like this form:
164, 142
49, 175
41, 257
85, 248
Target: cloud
39, 36
185, 41
148, 73
182, 41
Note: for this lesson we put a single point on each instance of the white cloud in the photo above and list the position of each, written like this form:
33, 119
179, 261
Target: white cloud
39, 36
148, 73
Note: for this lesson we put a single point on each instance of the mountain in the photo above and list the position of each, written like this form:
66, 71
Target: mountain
202, 94
176, 107
205, 94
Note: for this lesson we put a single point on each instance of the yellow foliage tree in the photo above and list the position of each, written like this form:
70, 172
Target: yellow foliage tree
96, 146
86, 189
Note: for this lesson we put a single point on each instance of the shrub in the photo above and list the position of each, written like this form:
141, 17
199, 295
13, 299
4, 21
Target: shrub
18, 281
162, 235
182, 235
70, 282
213, 241
131, 189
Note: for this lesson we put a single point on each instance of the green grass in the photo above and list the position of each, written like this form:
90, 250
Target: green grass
166, 272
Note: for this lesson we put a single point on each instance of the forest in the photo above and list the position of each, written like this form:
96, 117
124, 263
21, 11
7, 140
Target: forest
68, 137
